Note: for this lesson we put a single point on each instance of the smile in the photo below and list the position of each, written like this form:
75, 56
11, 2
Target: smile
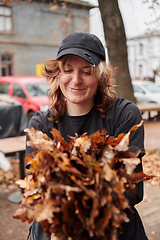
76, 89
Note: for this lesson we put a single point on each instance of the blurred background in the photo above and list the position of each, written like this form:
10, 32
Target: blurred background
31, 31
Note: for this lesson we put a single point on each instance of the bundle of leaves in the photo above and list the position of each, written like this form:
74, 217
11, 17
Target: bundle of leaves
76, 189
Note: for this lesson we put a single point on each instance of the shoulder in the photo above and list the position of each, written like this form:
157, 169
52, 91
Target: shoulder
42, 121
122, 103
123, 108
122, 115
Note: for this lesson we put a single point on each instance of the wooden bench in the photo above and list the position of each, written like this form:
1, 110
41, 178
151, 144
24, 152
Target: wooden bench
15, 145
148, 107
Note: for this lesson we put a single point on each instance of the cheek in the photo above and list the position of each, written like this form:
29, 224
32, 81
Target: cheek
63, 80
62, 87
94, 86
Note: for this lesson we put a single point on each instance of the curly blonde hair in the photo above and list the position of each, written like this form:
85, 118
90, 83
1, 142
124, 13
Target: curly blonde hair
103, 98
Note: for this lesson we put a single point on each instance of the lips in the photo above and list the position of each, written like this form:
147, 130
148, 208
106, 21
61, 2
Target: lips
75, 89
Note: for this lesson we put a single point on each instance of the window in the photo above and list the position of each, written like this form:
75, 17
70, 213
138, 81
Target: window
137, 89
6, 25
140, 69
36, 89
18, 91
6, 65
140, 49
4, 87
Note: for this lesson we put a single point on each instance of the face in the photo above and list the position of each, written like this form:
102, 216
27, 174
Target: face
78, 82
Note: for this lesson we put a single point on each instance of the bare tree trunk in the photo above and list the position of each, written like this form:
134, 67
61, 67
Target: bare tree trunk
116, 44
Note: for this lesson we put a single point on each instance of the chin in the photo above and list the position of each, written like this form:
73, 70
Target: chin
74, 99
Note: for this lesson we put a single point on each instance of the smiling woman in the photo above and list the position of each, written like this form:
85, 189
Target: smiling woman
83, 101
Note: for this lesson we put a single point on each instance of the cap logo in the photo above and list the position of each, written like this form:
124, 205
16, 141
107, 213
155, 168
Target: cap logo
88, 55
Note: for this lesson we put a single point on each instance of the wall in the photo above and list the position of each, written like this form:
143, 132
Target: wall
38, 32
149, 58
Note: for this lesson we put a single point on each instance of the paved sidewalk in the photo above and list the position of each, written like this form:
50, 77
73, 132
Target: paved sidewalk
152, 135
149, 208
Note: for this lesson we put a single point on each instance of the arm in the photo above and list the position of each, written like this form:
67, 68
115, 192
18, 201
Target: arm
36, 123
130, 115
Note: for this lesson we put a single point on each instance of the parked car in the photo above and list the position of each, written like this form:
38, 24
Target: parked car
13, 120
146, 91
30, 91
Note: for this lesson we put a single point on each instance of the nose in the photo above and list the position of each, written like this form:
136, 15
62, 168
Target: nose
76, 78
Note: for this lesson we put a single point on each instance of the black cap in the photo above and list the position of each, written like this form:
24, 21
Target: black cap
85, 45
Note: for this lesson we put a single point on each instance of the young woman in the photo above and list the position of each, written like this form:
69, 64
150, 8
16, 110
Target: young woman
80, 86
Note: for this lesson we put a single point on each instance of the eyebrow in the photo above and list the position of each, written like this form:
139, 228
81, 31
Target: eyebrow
87, 66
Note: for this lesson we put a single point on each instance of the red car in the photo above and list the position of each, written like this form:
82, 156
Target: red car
30, 91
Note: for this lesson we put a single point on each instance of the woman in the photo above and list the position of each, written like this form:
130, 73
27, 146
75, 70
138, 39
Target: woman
80, 86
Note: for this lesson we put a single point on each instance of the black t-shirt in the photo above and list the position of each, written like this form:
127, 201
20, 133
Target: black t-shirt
119, 119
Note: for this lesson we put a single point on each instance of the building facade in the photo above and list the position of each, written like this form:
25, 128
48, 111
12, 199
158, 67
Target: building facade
144, 57
31, 32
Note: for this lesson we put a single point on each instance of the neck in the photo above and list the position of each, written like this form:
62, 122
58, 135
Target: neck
77, 109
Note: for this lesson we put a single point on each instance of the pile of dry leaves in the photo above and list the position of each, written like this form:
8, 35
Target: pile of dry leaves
9, 177
76, 189
151, 166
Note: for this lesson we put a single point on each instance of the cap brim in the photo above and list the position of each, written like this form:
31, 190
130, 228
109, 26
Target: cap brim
85, 54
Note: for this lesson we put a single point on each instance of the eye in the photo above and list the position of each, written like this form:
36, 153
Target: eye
67, 70
87, 72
